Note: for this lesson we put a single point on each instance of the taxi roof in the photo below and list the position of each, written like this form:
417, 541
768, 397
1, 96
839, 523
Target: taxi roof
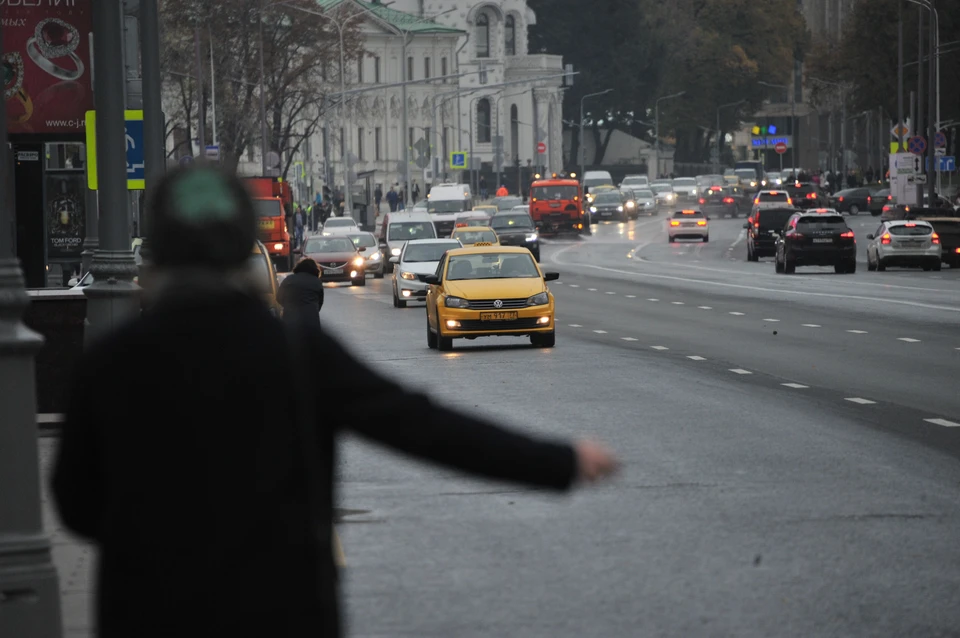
472, 229
480, 250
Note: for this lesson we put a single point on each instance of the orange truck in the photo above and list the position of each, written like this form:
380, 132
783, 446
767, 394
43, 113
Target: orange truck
273, 203
556, 205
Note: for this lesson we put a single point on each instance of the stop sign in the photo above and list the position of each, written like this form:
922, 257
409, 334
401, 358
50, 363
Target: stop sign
780, 148
541, 147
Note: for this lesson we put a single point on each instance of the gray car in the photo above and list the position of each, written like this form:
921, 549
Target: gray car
418, 257
369, 249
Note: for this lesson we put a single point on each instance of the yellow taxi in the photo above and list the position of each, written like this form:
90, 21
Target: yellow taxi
486, 291
473, 235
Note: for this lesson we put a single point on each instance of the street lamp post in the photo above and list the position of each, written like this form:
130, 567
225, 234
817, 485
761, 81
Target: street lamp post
657, 127
583, 154
722, 106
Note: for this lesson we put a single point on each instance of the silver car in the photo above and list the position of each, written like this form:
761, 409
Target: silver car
418, 257
646, 201
904, 242
771, 199
369, 249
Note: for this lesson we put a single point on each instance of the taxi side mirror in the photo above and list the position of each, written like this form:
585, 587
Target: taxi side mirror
433, 280
395, 259
551, 276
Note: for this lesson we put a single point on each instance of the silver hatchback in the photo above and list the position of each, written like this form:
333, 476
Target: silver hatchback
904, 243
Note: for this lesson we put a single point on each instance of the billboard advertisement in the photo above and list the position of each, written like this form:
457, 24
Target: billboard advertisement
47, 74
65, 214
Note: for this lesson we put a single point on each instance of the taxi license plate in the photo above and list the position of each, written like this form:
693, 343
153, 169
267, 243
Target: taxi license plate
822, 240
333, 271
498, 316
266, 224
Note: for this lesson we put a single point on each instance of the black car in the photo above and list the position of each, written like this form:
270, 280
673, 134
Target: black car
949, 230
516, 228
880, 199
507, 202
720, 201
852, 200
608, 205
763, 229
630, 202
807, 195
816, 239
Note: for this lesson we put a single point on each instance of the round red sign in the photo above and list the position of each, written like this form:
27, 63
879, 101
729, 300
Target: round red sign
780, 148
541, 147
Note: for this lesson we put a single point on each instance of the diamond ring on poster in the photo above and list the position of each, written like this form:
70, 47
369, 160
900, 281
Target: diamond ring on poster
13, 84
54, 38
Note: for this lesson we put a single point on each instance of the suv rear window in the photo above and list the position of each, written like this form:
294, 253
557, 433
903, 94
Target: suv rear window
779, 196
692, 215
774, 219
947, 227
821, 222
919, 229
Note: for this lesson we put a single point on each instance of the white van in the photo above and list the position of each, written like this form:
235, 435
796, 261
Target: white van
445, 202
596, 178
399, 228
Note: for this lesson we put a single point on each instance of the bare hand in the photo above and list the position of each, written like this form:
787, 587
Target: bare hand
594, 461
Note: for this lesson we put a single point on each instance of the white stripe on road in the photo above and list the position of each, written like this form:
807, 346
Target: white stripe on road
610, 292
575, 325
696, 358
857, 332
704, 307
811, 325
574, 286
736, 314
796, 386
631, 296
592, 289
943, 422
908, 339
601, 332
677, 303
660, 347
659, 300
773, 320
740, 371
860, 401
628, 338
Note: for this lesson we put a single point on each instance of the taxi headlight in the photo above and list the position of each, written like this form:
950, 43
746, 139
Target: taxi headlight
408, 276
375, 256
531, 237
395, 252
593, 209
456, 302
358, 261
540, 299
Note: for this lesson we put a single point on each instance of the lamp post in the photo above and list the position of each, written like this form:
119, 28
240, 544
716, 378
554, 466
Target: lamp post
722, 106
656, 120
580, 132
933, 88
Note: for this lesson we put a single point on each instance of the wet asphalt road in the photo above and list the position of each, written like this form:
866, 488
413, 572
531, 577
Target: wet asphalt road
791, 448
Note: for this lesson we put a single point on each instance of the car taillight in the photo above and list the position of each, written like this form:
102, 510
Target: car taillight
674, 222
889, 198
811, 195
727, 200
789, 201
935, 238
756, 201
703, 201
957, 251
840, 199
847, 235
910, 225
885, 239
703, 222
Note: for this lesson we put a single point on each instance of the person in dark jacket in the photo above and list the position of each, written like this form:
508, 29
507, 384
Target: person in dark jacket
206, 479
301, 294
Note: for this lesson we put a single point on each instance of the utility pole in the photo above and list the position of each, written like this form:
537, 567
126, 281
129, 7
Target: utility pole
30, 602
201, 114
154, 147
900, 72
918, 129
932, 123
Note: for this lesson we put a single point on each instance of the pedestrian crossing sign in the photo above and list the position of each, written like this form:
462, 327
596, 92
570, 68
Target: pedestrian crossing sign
458, 160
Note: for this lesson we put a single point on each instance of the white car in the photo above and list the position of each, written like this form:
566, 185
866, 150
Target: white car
688, 224
635, 181
771, 199
418, 257
686, 187
340, 226
904, 242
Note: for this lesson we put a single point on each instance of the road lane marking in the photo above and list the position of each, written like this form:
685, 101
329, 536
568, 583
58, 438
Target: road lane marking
660, 347
631, 296
677, 303
558, 283
908, 339
795, 386
740, 238
811, 325
943, 422
610, 292
574, 286
740, 371
628, 339
704, 307
696, 358
857, 332
575, 325
601, 332
592, 289
659, 300
773, 320
860, 401
736, 314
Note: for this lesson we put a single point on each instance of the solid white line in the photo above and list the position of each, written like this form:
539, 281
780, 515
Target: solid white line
696, 358
704, 307
860, 401
631, 296
812, 325
796, 386
628, 338
660, 347
857, 332
736, 314
558, 283
575, 325
601, 332
943, 422
908, 339
774, 320
740, 371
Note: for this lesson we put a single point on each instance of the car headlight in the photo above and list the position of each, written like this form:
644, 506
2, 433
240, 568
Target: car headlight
619, 209
540, 299
358, 261
531, 237
593, 209
456, 302
630, 204
408, 276
670, 196
753, 183
395, 252
375, 256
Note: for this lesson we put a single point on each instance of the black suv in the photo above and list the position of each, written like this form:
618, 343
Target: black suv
763, 228
816, 239
516, 228
807, 195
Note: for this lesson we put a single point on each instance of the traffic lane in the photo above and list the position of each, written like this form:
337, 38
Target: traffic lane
871, 359
723, 520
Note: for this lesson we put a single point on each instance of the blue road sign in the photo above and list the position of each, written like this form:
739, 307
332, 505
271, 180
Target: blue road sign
945, 164
133, 126
917, 145
134, 132
940, 140
458, 160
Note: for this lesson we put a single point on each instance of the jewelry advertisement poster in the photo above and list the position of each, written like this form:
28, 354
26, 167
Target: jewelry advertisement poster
65, 215
47, 84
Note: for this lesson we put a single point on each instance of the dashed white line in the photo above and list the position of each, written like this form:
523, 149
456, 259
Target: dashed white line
659, 300
574, 286
631, 296
628, 338
610, 292
705, 307
601, 332
575, 325
795, 386
943, 422
558, 283
696, 357
592, 289
660, 347
811, 325
908, 339
740, 371
857, 332
773, 320
860, 401
736, 314
677, 303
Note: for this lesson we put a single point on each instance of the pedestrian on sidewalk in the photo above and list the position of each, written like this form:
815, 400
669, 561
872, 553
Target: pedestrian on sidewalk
377, 198
483, 187
393, 199
301, 294
415, 192
206, 479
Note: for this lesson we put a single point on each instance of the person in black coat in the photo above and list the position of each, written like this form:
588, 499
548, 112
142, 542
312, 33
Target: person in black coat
206, 479
301, 294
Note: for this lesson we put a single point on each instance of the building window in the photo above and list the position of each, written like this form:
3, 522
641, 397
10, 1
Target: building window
360, 144
510, 36
443, 69
483, 121
377, 134
360, 70
483, 36
409, 69
376, 69
426, 68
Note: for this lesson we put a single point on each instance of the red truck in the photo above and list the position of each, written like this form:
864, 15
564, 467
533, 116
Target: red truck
556, 205
273, 203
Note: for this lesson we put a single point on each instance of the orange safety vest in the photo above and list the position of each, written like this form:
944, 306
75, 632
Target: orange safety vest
502, 191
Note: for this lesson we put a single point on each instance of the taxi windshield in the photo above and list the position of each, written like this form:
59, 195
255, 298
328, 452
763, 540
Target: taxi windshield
329, 245
511, 221
417, 252
474, 236
492, 266
405, 231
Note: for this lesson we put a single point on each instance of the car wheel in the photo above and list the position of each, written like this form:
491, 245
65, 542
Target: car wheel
789, 266
854, 210
388, 267
398, 302
378, 275
706, 238
937, 266
536, 256
444, 344
870, 265
880, 265
752, 256
362, 281
778, 265
671, 239
431, 338
544, 340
